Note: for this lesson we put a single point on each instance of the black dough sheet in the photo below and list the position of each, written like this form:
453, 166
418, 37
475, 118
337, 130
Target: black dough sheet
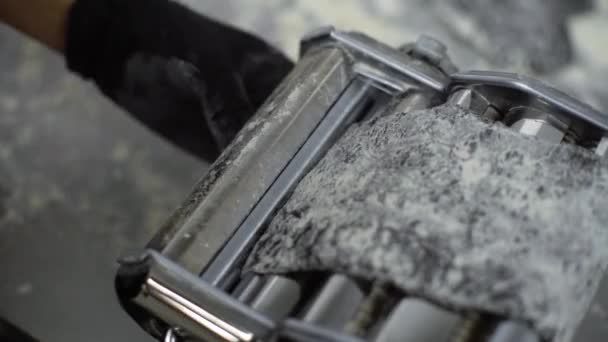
452, 209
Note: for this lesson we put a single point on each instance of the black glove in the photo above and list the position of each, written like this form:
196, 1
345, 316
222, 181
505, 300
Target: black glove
9, 332
191, 79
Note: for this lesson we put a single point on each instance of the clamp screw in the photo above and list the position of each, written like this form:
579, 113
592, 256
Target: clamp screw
435, 52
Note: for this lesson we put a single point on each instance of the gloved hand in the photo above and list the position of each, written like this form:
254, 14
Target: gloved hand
191, 79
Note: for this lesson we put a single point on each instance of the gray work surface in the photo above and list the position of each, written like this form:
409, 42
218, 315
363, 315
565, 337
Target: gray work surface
80, 182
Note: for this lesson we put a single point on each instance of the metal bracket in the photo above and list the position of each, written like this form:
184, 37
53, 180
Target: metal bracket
379, 53
506, 91
340, 75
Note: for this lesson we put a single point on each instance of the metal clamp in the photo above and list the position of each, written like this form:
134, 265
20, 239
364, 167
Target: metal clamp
343, 77
381, 54
519, 97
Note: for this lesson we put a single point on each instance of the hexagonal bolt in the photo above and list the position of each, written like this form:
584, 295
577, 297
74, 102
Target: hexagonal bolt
435, 52
470, 99
430, 48
540, 129
462, 98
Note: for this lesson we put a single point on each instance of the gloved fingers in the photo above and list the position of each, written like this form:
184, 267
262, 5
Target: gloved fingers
189, 78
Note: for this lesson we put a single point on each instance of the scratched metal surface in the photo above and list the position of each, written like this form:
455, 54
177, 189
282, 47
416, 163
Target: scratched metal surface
80, 182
